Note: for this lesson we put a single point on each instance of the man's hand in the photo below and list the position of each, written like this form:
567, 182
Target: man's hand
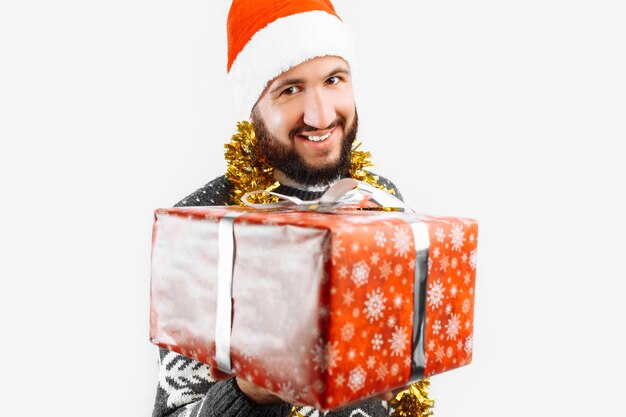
257, 394
254, 393
262, 396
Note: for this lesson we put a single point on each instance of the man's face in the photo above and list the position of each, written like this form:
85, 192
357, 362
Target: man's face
306, 121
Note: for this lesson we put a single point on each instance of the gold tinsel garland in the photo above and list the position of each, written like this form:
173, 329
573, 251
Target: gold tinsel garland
413, 401
247, 171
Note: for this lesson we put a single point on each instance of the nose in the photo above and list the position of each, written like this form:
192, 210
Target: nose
319, 111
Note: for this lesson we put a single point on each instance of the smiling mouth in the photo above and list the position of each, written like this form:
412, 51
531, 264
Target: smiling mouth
318, 138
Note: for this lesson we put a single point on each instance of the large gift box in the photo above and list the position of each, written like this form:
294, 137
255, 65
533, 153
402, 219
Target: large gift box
324, 309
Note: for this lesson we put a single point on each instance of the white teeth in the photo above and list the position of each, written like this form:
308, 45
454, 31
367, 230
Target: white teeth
318, 138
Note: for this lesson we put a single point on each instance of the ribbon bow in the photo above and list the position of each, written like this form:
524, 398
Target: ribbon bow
345, 192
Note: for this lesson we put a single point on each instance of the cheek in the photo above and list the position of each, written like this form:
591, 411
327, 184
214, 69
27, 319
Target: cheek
347, 110
283, 119
344, 104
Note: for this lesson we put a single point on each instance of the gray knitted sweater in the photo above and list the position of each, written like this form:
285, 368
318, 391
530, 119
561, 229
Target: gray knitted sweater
184, 387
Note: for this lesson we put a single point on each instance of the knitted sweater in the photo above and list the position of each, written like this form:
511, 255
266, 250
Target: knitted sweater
185, 388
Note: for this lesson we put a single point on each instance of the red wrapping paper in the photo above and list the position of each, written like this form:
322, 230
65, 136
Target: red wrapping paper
323, 303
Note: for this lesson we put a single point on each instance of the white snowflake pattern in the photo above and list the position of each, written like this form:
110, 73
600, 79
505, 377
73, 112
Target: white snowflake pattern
347, 332
401, 241
377, 341
397, 270
436, 252
468, 344
371, 362
452, 327
444, 262
374, 305
439, 234
337, 249
380, 238
343, 272
436, 327
348, 297
285, 390
391, 321
457, 237
439, 354
360, 273
397, 301
465, 307
467, 278
374, 258
340, 380
473, 259
431, 344
454, 263
398, 341
325, 357
453, 291
395, 368
385, 270
381, 372
356, 379
449, 352
435, 294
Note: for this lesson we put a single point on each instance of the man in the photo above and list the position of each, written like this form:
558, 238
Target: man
290, 62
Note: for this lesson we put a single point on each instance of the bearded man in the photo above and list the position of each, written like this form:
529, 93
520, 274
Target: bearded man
290, 64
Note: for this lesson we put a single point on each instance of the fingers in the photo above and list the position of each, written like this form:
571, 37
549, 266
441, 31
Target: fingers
257, 394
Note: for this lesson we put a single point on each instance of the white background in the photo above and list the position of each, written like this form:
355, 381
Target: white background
509, 112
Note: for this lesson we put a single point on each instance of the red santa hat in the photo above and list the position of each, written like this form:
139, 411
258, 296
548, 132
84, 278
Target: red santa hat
268, 37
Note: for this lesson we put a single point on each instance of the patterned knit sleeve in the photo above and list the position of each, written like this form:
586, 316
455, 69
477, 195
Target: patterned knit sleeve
185, 389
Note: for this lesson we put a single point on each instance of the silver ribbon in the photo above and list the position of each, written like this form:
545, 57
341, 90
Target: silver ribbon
421, 238
224, 308
344, 192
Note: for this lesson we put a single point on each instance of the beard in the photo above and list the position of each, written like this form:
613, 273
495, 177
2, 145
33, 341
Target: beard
287, 160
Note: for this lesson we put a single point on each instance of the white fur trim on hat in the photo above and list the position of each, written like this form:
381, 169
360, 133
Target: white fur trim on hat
281, 45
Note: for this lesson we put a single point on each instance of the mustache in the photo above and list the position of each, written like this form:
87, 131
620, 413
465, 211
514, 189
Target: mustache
303, 127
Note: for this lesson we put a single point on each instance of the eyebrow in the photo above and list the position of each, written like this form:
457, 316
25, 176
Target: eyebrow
291, 81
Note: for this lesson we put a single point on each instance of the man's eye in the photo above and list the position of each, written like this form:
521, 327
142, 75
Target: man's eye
290, 90
333, 80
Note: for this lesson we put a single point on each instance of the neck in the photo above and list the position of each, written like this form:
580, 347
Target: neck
283, 179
